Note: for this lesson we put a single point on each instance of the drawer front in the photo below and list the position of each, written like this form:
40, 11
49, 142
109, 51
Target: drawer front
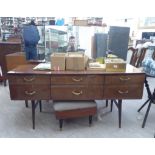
69, 79
95, 79
29, 79
77, 79
124, 92
125, 79
76, 92
29, 92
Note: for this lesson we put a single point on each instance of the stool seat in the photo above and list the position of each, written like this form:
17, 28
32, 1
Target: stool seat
61, 106
73, 109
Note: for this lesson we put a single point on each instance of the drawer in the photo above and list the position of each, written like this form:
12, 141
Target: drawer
124, 92
77, 79
76, 92
29, 79
29, 92
95, 79
69, 79
125, 79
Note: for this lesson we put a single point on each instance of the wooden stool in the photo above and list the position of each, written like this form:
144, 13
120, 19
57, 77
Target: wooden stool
74, 109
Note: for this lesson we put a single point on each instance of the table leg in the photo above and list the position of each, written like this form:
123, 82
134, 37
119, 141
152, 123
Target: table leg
33, 113
119, 112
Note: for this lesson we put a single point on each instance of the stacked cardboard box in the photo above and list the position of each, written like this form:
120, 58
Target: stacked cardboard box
58, 61
76, 61
73, 61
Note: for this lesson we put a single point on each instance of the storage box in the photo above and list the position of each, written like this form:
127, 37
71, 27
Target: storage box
76, 61
81, 22
115, 65
58, 61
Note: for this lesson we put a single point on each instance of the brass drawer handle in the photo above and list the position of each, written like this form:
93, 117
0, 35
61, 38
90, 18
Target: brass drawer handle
77, 80
123, 92
124, 79
28, 80
77, 93
30, 93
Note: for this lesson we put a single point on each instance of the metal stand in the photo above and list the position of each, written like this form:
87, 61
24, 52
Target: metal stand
150, 100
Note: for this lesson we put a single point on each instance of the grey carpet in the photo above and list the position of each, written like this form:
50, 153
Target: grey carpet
15, 121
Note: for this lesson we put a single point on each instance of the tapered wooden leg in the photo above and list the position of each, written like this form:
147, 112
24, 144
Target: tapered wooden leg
26, 103
60, 124
33, 113
106, 103
90, 120
111, 105
119, 112
40, 106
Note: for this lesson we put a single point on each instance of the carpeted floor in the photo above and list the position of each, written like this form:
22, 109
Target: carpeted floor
15, 120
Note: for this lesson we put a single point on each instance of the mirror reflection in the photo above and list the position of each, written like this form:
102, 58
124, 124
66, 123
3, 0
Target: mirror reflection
92, 35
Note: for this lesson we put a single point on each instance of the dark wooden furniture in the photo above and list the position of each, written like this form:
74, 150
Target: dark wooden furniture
7, 48
28, 84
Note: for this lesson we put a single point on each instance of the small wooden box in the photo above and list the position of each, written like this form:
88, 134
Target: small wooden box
115, 65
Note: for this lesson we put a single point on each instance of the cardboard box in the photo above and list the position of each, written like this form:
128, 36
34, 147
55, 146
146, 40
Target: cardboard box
115, 65
76, 61
58, 61
81, 22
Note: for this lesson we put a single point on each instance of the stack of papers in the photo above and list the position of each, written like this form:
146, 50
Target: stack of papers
43, 66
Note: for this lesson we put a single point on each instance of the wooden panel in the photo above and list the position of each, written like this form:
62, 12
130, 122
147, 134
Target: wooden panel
29, 92
15, 59
7, 48
29, 79
75, 113
79, 92
77, 79
124, 79
70, 79
123, 92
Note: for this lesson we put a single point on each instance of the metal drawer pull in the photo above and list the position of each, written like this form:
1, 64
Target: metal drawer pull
30, 93
125, 92
28, 80
77, 93
124, 79
77, 80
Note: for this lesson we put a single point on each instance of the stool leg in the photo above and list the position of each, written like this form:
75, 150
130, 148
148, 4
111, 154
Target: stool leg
106, 103
40, 106
147, 112
111, 105
26, 103
60, 124
90, 120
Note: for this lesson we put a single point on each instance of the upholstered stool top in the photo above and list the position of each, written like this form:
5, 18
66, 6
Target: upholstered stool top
62, 106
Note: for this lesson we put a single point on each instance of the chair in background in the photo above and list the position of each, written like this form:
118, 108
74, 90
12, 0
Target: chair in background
150, 101
149, 67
